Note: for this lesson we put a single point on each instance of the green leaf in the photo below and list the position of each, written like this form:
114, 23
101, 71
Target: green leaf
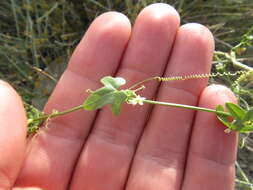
248, 122
242, 119
238, 125
119, 98
114, 82
224, 119
247, 129
236, 111
249, 115
99, 98
107, 95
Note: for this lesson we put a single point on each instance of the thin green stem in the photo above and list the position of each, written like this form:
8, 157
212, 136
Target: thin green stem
140, 88
55, 114
186, 107
242, 66
141, 82
14, 8
243, 182
234, 60
244, 176
180, 6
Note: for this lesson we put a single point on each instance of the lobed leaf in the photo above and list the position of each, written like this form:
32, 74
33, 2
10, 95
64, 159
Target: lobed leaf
99, 98
224, 119
249, 115
248, 121
242, 119
236, 111
247, 129
114, 82
119, 98
107, 95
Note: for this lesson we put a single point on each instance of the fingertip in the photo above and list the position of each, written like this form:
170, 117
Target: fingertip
109, 31
10, 101
158, 13
118, 17
158, 9
198, 34
110, 25
4, 84
217, 94
211, 97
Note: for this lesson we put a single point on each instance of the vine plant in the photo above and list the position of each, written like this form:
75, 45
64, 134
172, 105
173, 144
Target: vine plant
235, 118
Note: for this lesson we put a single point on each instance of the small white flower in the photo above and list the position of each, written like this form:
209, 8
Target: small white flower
137, 100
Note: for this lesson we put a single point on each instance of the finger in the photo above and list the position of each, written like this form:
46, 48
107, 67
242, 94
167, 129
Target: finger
12, 135
109, 150
54, 151
212, 152
159, 161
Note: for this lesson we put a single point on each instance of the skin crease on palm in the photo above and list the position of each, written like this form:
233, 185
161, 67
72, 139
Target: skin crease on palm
145, 148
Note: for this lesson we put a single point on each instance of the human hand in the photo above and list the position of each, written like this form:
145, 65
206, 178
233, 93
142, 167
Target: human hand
145, 147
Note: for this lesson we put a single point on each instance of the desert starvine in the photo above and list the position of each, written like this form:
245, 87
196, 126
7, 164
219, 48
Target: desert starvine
235, 118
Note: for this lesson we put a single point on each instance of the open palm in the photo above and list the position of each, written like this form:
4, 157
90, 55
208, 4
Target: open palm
145, 148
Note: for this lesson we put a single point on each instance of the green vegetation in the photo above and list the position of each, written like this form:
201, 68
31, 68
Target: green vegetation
37, 38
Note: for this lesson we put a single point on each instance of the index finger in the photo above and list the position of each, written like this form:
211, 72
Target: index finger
98, 54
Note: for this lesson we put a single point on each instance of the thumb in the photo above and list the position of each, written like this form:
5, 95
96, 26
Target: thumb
12, 135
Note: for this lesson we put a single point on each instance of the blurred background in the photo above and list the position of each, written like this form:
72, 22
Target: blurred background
37, 38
